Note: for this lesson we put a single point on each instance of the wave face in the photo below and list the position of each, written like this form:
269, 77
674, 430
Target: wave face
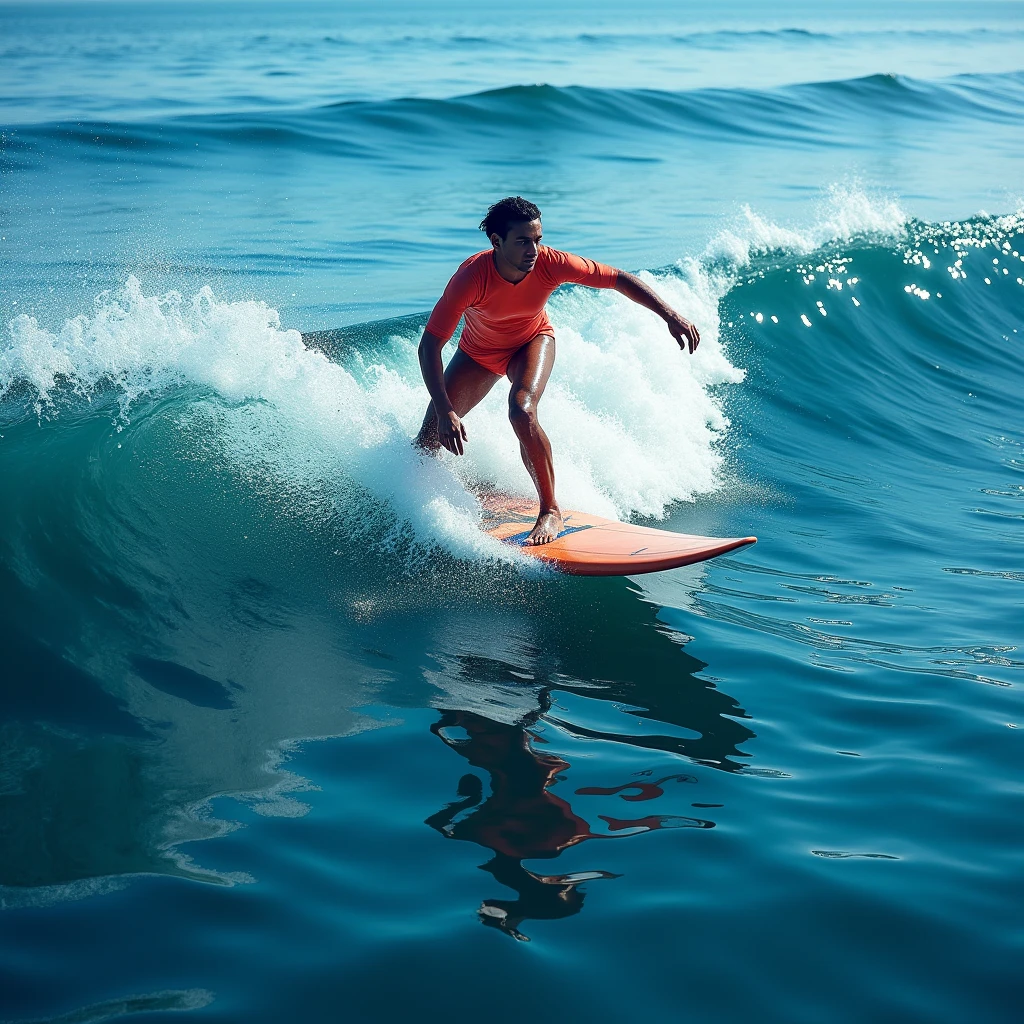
892, 368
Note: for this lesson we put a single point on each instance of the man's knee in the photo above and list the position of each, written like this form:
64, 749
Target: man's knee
522, 408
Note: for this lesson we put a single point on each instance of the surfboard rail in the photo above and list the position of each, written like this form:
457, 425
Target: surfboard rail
594, 546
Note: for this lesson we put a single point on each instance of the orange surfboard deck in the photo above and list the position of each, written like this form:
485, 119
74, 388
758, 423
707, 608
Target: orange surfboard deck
593, 546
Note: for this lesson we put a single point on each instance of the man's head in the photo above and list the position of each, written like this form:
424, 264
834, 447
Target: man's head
513, 227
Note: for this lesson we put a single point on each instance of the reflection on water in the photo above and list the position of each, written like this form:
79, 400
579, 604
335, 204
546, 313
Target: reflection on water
520, 819
529, 813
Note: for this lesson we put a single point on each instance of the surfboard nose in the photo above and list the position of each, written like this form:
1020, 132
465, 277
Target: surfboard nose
595, 546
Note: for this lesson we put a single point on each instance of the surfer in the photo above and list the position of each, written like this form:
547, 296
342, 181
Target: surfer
503, 292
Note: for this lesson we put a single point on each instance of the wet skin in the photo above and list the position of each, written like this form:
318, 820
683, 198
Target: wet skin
466, 383
457, 389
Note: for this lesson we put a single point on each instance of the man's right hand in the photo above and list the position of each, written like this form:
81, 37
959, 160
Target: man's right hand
685, 333
451, 433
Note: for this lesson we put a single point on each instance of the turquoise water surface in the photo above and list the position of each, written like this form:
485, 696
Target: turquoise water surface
285, 737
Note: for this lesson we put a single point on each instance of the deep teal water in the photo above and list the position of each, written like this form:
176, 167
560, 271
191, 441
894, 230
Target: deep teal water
281, 738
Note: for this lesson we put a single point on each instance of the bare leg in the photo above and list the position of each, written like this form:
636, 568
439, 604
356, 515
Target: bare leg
466, 382
529, 371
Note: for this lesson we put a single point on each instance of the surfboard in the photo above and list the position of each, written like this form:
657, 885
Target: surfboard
593, 546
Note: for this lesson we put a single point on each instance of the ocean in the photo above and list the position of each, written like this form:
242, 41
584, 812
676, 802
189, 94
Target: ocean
285, 737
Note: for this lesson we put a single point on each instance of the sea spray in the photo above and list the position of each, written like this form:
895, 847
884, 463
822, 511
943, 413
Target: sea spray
633, 420
846, 211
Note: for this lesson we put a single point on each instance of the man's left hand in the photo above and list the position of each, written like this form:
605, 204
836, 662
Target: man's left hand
684, 332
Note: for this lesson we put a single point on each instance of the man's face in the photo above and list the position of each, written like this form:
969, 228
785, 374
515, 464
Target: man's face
519, 246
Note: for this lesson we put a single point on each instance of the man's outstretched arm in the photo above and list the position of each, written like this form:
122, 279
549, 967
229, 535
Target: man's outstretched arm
679, 327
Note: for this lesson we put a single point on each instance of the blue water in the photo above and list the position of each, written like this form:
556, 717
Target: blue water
284, 737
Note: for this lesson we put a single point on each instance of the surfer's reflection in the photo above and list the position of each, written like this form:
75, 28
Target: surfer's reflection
523, 819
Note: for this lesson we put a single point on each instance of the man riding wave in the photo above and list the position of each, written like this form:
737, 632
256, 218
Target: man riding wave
502, 292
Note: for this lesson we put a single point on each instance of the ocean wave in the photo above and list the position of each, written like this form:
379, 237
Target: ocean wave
889, 348
846, 212
801, 114
636, 427
342, 433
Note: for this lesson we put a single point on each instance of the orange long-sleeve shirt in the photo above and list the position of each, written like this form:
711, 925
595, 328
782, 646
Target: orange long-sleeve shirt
501, 316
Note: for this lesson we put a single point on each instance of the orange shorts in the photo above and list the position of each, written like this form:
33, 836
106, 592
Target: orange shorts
497, 359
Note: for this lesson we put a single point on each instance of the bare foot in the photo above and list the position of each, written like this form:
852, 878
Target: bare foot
548, 527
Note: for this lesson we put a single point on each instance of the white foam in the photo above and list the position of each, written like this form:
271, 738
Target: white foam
632, 419
846, 211
279, 406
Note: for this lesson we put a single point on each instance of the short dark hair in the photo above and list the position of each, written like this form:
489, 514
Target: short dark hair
506, 212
